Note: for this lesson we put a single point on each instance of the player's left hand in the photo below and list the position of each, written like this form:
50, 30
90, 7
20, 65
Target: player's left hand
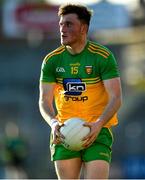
95, 128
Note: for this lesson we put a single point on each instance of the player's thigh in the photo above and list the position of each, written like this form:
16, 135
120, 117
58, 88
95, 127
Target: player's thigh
69, 168
98, 169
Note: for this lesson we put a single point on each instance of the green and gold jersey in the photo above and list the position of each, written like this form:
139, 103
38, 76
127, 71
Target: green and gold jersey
79, 90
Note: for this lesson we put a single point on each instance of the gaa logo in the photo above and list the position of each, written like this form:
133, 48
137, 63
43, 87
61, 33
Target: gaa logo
60, 69
74, 86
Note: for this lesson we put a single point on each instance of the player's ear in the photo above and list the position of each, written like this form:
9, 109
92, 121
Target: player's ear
84, 28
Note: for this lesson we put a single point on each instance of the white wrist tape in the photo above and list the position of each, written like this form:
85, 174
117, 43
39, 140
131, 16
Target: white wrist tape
53, 122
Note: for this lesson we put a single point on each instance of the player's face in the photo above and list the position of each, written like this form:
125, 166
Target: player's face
70, 29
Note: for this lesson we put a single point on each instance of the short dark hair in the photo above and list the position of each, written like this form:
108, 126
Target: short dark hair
84, 14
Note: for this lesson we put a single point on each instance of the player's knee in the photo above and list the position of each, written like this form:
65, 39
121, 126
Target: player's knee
63, 172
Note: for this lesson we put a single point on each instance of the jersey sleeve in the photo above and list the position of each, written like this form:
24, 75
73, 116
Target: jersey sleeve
47, 71
109, 68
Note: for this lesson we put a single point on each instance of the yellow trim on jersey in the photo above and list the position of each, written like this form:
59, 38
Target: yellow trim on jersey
45, 82
99, 47
55, 52
110, 130
91, 80
94, 48
59, 80
98, 53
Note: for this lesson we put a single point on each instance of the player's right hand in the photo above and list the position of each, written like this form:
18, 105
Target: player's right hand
57, 136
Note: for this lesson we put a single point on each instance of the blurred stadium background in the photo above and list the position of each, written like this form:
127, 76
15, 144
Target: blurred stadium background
29, 31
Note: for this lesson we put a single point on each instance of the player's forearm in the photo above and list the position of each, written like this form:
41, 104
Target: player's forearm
110, 110
47, 111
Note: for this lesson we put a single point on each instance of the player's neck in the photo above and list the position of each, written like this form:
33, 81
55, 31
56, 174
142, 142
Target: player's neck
77, 47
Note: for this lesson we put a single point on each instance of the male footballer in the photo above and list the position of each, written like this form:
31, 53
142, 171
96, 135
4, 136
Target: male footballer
82, 78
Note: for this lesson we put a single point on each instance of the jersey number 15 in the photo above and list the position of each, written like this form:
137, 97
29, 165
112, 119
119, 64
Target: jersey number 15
74, 70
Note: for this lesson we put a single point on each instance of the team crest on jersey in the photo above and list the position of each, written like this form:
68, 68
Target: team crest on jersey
89, 69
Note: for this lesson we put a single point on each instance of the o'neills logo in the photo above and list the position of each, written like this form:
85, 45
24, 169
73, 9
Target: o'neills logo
89, 69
